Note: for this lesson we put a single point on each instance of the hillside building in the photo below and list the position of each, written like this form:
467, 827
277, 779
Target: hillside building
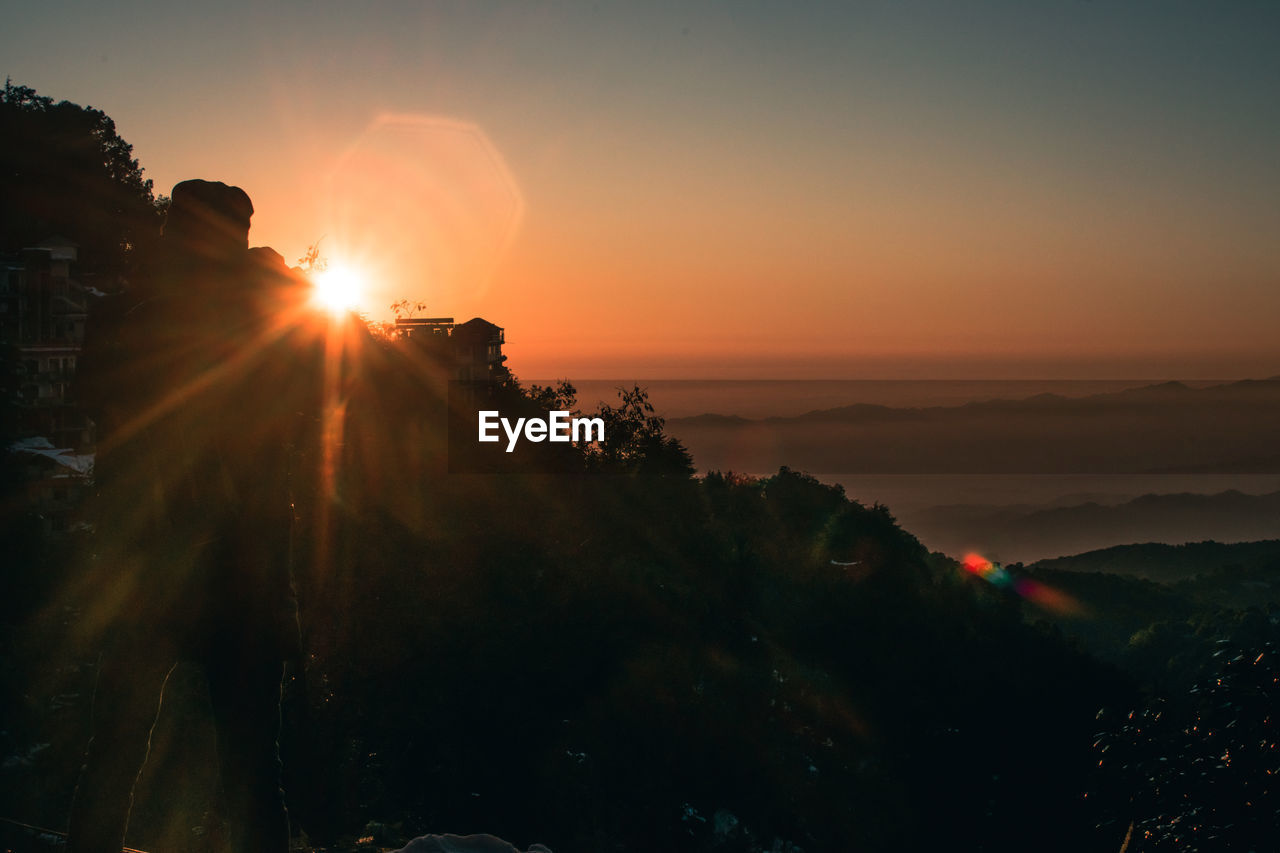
43, 310
469, 352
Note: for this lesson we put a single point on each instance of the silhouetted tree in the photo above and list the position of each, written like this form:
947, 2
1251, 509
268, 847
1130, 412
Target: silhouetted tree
67, 171
634, 441
561, 396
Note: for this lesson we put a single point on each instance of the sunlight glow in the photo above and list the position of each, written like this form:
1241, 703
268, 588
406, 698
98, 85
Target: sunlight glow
420, 198
338, 289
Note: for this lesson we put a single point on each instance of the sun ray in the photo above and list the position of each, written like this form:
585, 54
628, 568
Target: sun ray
175, 398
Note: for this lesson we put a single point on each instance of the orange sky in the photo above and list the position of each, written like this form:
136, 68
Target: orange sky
749, 192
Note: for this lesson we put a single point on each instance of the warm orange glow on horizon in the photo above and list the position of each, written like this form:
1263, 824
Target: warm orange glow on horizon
716, 214
612, 271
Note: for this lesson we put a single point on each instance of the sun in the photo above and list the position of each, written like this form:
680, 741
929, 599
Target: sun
337, 290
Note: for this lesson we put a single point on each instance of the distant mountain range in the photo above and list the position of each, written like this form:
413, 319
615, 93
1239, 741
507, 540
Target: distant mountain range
1021, 533
1139, 605
1165, 428
1169, 563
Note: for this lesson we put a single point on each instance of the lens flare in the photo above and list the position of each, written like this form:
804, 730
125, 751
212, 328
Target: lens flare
987, 570
1034, 591
338, 290
423, 198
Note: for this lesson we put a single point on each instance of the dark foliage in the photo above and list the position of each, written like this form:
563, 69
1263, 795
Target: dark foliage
632, 662
606, 660
68, 172
1199, 772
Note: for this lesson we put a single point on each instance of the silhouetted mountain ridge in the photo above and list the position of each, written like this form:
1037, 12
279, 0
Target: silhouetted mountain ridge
1163, 562
1167, 427
1020, 533
1164, 392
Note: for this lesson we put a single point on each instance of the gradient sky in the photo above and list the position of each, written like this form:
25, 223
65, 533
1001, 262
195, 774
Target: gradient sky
751, 190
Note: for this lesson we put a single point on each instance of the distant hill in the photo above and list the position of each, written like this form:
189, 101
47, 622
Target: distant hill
1111, 608
1167, 605
1168, 427
1026, 533
1167, 563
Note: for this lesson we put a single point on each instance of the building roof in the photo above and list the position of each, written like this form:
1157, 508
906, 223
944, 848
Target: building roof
476, 329
81, 464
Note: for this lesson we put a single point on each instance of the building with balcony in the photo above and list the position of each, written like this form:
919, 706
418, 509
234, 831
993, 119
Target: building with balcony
43, 311
469, 352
